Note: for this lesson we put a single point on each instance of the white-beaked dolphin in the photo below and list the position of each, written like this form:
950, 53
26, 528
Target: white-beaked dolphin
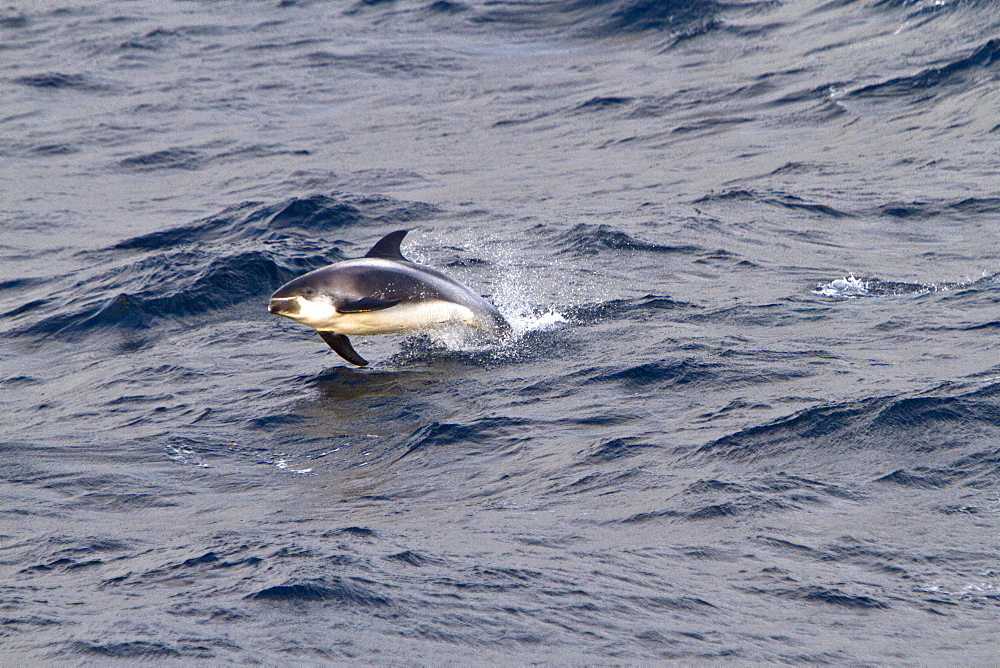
381, 293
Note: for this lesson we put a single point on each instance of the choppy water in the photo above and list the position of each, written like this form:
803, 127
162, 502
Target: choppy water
752, 414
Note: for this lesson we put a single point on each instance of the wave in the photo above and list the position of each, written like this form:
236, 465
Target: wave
851, 287
662, 374
783, 200
593, 19
682, 18
485, 434
388, 62
189, 273
931, 440
925, 209
927, 84
585, 239
171, 158
642, 308
200, 156
617, 448
62, 81
339, 590
828, 595
916, 209
135, 649
652, 376
711, 499
177, 287
300, 216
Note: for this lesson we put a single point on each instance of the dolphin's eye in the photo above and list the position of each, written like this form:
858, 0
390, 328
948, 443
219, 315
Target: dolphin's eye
308, 291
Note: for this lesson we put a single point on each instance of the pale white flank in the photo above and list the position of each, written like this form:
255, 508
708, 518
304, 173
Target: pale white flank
406, 317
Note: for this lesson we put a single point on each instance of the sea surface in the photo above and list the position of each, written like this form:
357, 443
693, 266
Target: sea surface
750, 251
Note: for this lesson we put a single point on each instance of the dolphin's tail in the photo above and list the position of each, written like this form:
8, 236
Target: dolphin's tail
496, 324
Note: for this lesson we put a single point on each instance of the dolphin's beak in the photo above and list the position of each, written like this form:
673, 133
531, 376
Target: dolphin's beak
284, 306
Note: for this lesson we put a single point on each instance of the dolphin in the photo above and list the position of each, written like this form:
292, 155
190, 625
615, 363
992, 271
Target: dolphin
381, 293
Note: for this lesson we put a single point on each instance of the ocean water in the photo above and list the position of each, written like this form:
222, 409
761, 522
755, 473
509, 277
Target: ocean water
751, 413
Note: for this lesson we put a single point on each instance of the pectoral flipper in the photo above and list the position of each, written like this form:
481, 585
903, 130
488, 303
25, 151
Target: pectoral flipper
342, 346
366, 304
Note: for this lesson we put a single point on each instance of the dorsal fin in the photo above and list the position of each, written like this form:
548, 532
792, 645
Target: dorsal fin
387, 247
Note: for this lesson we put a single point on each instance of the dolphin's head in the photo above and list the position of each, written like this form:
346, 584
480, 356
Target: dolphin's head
306, 299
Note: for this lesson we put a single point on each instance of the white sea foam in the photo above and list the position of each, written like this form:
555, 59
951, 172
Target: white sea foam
282, 465
846, 288
535, 321
185, 456
851, 287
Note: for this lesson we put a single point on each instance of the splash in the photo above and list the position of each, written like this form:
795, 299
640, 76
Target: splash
514, 299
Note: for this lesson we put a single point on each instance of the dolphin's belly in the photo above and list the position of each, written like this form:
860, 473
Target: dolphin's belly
405, 317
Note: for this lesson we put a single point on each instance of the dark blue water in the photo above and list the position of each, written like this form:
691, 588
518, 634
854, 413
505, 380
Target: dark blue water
751, 415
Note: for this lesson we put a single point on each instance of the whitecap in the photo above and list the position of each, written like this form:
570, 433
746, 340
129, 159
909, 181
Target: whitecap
848, 287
